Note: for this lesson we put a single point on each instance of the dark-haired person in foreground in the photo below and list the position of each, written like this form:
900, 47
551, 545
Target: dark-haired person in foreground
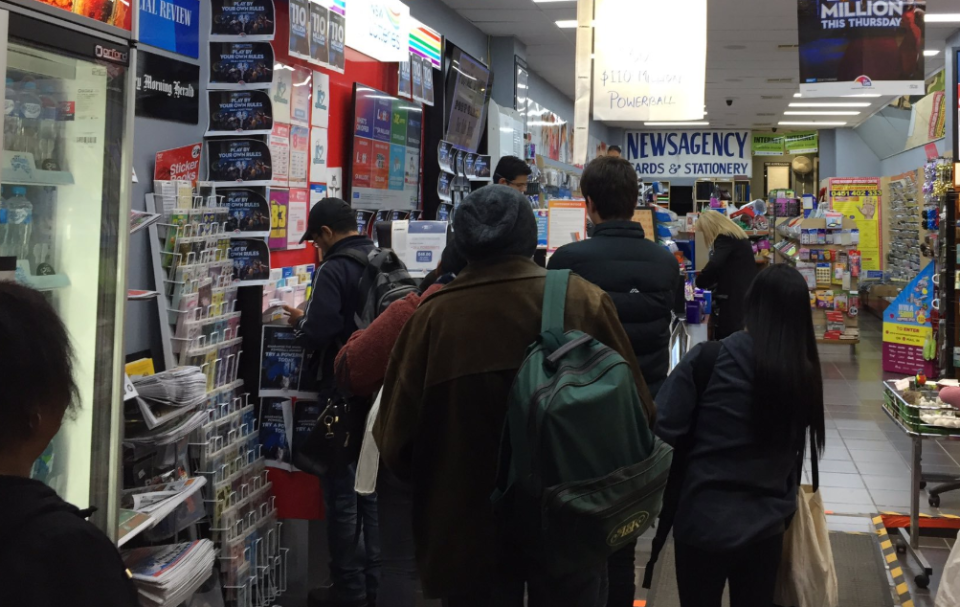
740, 481
614, 151
513, 172
643, 280
50, 556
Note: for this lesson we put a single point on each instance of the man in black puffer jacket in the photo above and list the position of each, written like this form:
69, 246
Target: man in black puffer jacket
642, 278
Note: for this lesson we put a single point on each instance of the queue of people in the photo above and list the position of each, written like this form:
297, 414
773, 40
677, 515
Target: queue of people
444, 362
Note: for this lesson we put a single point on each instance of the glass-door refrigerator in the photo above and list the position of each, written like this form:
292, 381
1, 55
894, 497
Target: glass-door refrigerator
64, 217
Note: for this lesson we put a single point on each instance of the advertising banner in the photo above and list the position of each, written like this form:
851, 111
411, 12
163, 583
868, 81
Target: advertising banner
672, 154
167, 89
427, 43
173, 25
859, 199
178, 164
242, 20
279, 201
300, 98
280, 91
319, 34
251, 261
298, 210
280, 153
249, 212
807, 142
659, 75
235, 65
318, 155
299, 156
766, 144
299, 13
907, 326
863, 46
380, 29
233, 161
117, 14
336, 38
233, 112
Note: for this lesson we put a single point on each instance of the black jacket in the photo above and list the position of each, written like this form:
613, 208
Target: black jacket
643, 280
735, 491
330, 316
731, 269
51, 557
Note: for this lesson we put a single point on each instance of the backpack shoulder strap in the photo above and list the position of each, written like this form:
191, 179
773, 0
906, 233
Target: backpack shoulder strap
703, 365
554, 300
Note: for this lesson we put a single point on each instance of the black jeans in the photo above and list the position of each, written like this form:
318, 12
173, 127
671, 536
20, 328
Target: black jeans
622, 572
398, 572
751, 571
584, 589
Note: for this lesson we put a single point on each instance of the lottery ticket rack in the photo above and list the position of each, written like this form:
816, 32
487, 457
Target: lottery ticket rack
200, 329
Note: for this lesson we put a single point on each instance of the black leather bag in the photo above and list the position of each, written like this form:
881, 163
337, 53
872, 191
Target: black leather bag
334, 443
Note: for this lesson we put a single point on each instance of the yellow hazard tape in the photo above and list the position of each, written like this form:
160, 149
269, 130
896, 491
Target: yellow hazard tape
890, 556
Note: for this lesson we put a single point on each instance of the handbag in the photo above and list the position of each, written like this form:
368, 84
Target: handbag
948, 595
807, 576
334, 443
369, 464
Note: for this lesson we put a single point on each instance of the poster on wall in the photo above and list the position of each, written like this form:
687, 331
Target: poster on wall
300, 98
167, 89
240, 65
279, 201
232, 112
249, 212
767, 144
233, 161
427, 74
281, 361
173, 25
117, 14
849, 48
380, 29
178, 164
320, 116
674, 154
253, 20
276, 432
657, 76
318, 155
319, 32
251, 261
416, 78
859, 199
299, 156
336, 38
299, 12
404, 84
468, 102
318, 191
281, 90
907, 327
297, 212
806, 142
279, 143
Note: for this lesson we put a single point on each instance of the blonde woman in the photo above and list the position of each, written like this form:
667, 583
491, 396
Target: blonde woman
729, 272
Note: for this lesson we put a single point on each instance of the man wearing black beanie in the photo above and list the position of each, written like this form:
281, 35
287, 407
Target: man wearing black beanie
445, 398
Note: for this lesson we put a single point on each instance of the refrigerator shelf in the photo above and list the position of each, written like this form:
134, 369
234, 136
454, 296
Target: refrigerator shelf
49, 283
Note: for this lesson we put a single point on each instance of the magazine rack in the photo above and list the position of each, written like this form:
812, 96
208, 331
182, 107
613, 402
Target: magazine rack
200, 327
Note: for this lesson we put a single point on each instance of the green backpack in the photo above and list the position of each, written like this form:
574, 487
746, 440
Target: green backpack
581, 474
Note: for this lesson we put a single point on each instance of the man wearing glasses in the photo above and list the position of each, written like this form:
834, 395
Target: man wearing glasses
513, 172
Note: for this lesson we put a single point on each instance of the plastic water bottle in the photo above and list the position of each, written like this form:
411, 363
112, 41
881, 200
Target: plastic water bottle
48, 128
31, 108
19, 212
11, 117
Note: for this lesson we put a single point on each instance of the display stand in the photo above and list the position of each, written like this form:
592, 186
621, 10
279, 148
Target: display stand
200, 328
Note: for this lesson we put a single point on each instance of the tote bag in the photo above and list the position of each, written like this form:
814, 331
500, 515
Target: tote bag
807, 576
949, 593
369, 463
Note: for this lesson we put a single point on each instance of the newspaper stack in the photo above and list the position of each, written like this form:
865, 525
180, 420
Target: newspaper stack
168, 575
171, 394
159, 501
170, 432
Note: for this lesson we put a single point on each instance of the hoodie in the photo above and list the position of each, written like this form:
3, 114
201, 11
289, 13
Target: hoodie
50, 556
735, 490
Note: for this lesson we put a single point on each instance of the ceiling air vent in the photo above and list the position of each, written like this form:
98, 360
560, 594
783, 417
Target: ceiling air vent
758, 124
771, 97
787, 47
779, 80
766, 114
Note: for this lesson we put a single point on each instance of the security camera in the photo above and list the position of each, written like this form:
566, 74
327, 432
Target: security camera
774, 129
729, 102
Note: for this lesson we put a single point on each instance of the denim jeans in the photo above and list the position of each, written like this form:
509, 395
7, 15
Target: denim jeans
398, 577
354, 565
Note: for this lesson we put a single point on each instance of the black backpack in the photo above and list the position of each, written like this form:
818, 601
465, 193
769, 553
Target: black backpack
385, 280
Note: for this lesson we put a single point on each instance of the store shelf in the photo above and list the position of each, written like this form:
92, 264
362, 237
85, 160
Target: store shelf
838, 342
757, 233
49, 283
786, 258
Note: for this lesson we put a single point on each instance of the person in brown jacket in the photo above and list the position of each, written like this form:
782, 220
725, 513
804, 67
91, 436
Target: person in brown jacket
445, 400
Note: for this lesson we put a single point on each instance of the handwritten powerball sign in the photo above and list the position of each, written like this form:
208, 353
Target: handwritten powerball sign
672, 154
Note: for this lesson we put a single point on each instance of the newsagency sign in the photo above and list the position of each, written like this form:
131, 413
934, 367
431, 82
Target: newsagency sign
674, 154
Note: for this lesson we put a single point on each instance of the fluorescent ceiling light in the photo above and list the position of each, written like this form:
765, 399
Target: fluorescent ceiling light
869, 95
942, 18
567, 24
810, 123
838, 104
797, 95
931, 53
805, 113
694, 123
547, 1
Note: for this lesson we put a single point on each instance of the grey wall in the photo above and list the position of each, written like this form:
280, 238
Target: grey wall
149, 137
844, 154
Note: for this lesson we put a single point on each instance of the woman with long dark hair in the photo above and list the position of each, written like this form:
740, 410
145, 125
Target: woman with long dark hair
738, 413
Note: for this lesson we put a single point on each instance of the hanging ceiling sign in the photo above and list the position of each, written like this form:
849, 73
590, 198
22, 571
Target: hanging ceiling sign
767, 144
658, 75
672, 154
850, 47
380, 29
426, 42
173, 25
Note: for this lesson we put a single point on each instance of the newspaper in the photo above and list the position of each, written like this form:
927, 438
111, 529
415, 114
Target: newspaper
168, 575
159, 501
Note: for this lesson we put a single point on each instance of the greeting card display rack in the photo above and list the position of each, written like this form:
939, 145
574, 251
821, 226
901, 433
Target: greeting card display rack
200, 327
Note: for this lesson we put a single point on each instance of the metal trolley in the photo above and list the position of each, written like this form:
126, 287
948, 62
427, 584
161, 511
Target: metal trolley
907, 418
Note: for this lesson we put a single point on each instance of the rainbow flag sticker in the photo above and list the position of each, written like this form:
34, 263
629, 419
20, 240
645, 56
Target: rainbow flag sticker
427, 43
339, 7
